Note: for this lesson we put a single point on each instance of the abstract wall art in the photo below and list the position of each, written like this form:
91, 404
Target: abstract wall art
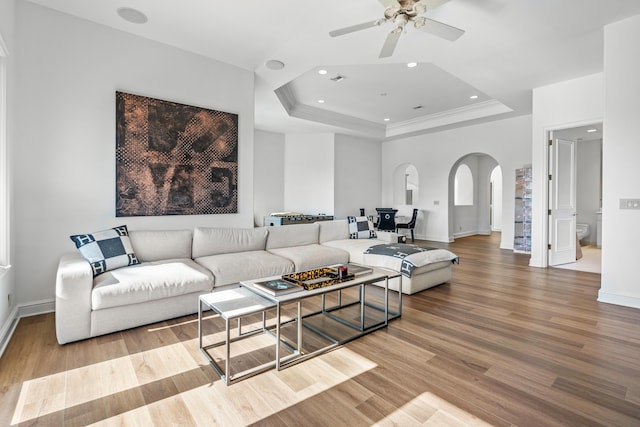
174, 159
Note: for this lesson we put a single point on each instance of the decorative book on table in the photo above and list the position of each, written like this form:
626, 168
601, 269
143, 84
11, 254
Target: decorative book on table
359, 270
325, 276
278, 287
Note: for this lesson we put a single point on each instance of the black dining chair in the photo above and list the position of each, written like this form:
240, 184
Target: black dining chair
409, 225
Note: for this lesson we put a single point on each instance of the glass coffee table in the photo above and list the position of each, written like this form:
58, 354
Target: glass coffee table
233, 303
359, 315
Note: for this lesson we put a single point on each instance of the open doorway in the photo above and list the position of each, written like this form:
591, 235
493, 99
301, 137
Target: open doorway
475, 196
587, 196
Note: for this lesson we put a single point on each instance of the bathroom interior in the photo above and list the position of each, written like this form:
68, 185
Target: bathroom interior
588, 195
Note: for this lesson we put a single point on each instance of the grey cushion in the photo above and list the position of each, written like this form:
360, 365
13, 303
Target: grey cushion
216, 241
236, 267
293, 235
355, 247
333, 230
157, 245
313, 256
149, 281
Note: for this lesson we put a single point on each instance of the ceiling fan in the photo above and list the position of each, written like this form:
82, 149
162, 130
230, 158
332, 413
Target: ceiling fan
401, 12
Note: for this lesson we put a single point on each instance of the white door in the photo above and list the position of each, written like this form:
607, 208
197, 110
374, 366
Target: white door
562, 201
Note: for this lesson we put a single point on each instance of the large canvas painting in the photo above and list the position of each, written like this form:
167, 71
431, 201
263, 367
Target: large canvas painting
174, 159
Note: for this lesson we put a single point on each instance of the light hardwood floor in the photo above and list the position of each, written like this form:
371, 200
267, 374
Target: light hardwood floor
501, 344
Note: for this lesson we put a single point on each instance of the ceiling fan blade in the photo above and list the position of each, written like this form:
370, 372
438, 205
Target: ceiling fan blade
390, 44
440, 29
353, 28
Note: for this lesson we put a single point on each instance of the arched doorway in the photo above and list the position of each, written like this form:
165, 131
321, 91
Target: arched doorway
405, 185
475, 194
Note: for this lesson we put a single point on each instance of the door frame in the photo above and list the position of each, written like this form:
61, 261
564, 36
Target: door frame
544, 231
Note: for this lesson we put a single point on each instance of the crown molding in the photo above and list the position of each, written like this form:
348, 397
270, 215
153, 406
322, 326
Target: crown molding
457, 115
287, 98
289, 101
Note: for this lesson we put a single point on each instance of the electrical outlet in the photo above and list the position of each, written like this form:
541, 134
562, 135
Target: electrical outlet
460, 228
629, 203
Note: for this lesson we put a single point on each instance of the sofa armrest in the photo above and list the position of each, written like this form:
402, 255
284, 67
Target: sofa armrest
74, 283
388, 236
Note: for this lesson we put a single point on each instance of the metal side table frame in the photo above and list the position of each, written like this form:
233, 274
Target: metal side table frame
298, 355
234, 303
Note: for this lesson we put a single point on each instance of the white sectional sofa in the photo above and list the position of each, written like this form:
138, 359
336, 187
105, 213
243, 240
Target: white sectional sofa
176, 266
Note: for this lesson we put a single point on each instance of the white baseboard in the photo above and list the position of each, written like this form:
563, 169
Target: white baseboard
36, 307
443, 239
464, 234
18, 312
616, 299
7, 329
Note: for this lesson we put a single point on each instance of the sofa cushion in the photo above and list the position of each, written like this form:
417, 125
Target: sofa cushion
355, 247
293, 235
215, 241
158, 245
360, 227
235, 267
313, 256
333, 230
106, 249
149, 281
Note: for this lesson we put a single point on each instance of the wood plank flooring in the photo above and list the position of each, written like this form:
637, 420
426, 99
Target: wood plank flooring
502, 344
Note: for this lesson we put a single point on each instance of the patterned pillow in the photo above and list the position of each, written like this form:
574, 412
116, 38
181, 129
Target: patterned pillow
107, 249
360, 227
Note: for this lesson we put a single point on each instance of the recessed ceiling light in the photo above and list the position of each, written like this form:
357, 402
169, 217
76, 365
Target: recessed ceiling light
274, 64
592, 130
418, 107
320, 101
473, 97
387, 119
132, 15
323, 72
412, 64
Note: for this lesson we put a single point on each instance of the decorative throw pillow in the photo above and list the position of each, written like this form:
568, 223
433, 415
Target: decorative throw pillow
360, 227
107, 249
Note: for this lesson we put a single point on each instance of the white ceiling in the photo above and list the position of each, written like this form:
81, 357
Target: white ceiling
509, 48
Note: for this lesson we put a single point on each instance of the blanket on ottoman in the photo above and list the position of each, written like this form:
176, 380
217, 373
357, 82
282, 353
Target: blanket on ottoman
405, 258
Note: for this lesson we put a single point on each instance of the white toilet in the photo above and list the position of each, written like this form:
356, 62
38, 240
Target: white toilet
583, 231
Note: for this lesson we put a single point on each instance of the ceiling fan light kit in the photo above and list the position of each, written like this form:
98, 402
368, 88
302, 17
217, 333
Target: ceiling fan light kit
401, 12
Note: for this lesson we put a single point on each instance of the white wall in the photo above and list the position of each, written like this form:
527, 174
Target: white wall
588, 161
341, 171
7, 277
64, 148
621, 151
357, 176
268, 178
309, 173
559, 106
507, 141
496, 177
